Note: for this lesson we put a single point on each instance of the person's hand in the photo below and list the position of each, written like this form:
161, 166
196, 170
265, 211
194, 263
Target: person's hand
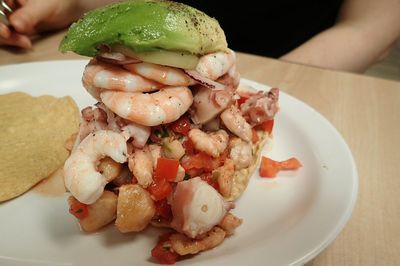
34, 16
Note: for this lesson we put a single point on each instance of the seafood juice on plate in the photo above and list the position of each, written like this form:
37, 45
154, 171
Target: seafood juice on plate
172, 141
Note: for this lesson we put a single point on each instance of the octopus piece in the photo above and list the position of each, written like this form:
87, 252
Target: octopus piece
139, 133
197, 207
261, 107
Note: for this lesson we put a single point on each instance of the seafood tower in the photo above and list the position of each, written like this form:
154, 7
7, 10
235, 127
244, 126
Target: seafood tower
171, 141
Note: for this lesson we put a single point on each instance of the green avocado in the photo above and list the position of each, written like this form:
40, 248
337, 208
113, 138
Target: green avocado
145, 26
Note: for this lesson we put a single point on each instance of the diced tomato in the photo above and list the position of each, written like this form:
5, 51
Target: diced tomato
160, 189
166, 169
242, 99
270, 168
202, 161
267, 126
78, 209
290, 164
209, 178
195, 161
181, 126
163, 209
255, 137
188, 146
163, 252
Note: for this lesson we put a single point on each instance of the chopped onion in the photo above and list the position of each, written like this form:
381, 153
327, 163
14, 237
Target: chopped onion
117, 58
206, 82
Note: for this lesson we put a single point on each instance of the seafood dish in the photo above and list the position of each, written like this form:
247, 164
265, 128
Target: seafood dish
173, 138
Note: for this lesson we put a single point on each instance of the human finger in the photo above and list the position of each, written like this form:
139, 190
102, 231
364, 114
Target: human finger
25, 18
16, 39
4, 31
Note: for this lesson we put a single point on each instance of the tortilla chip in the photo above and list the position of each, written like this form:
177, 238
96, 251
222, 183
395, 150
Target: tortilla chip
241, 177
33, 131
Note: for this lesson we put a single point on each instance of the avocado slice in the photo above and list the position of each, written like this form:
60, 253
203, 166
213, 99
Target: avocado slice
145, 26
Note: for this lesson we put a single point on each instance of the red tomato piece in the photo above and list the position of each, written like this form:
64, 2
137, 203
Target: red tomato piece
202, 161
166, 169
181, 126
267, 126
163, 209
241, 100
255, 137
270, 168
188, 146
290, 164
160, 189
79, 209
163, 253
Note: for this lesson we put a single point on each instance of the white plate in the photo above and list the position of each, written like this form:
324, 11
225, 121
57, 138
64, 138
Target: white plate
287, 220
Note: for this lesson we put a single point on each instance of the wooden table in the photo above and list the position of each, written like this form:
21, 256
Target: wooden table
365, 110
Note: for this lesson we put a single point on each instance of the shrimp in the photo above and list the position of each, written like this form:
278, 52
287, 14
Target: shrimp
230, 223
234, 121
240, 153
139, 133
80, 174
215, 65
162, 74
197, 207
161, 107
231, 78
183, 245
112, 77
213, 143
141, 165
224, 175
